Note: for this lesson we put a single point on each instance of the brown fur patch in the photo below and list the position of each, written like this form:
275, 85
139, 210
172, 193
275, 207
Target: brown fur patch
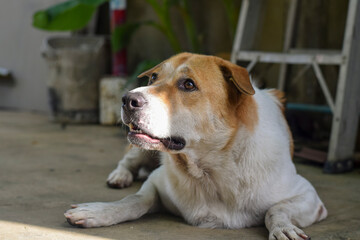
247, 112
181, 162
212, 76
280, 95
180, 59
166, 93
166, 88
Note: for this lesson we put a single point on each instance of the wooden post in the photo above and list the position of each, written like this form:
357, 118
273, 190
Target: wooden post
347, 110
290, 22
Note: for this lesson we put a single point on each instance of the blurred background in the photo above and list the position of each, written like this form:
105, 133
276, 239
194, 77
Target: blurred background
74, 59
64, 66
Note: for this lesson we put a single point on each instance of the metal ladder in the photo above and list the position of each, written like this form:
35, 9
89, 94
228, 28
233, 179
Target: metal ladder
346, 107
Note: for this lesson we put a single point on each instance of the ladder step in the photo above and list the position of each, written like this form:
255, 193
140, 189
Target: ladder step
309, 107
328, 58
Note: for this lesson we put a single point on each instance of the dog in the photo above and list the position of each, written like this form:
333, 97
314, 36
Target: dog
225, 150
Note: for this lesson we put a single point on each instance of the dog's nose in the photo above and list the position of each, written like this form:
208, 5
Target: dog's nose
133, 101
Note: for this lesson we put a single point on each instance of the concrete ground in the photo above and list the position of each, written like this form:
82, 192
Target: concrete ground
43, 169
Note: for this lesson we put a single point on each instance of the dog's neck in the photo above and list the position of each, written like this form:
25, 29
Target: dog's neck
204, 166
188, 166
210, 177
203, 161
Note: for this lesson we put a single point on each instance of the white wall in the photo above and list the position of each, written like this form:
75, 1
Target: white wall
20, 52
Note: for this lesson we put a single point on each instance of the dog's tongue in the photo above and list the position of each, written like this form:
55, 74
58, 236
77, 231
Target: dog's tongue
173, 143
147, 138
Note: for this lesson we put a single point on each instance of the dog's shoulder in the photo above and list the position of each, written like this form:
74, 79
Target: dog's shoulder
272, 116
278, 96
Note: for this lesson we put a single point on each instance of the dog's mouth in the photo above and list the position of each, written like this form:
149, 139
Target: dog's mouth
143, 139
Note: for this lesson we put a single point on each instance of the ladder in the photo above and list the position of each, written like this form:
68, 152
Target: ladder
346, 107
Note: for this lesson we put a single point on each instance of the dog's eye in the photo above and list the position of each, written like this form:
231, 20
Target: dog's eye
187, 85
152, 78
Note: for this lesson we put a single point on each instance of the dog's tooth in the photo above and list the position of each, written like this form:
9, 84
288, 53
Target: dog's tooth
137, 131
131, 126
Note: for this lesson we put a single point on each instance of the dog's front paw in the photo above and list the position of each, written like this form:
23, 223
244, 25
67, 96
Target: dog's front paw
288, 232
120, 178
90, 215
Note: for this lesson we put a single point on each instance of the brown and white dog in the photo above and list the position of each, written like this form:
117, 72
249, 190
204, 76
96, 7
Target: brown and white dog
225, 151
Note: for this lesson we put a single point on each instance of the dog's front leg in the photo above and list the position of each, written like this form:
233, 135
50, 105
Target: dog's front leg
128, 167
99, 214
123, 175
301, 210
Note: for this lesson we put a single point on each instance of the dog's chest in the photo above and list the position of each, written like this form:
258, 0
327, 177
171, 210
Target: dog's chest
208, 206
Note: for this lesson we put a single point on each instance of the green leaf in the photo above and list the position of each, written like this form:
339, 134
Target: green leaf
67, 16
122, 34
159, 10
232, 13
165, 26
193, 38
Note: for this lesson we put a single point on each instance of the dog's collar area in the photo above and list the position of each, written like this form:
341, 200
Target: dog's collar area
139, 137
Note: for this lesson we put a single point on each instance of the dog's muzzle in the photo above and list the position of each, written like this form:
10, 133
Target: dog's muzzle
133, 101
133, 106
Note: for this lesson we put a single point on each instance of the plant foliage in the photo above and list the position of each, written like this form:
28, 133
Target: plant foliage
66, 16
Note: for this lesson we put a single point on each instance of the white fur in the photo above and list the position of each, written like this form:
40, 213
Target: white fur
252, 182
157, 114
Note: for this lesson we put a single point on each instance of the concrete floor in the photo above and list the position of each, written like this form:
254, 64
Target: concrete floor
43, 169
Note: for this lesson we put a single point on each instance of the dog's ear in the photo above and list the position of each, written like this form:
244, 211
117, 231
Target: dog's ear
148, 73
238, 75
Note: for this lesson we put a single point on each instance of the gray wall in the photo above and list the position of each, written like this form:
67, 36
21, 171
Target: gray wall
20, 52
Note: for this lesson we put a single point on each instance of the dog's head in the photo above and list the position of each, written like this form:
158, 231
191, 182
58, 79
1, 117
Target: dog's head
190, 99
